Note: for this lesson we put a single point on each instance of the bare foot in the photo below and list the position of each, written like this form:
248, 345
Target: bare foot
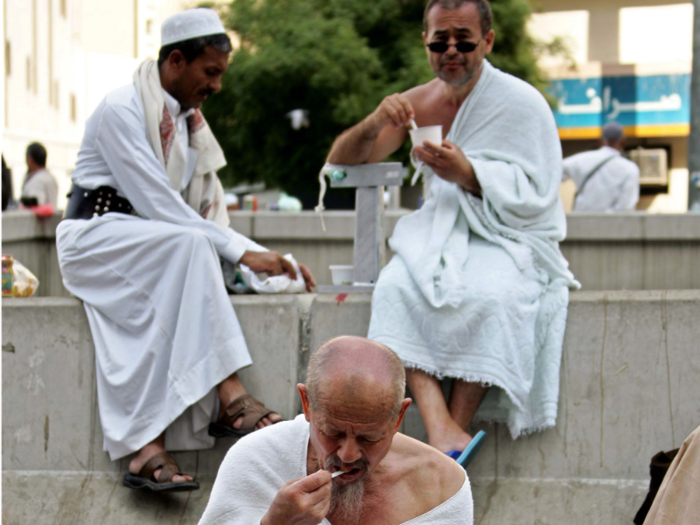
450, 437
146, 453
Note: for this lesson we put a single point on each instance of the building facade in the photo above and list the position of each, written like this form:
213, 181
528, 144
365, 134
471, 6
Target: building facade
628, 61
60, 59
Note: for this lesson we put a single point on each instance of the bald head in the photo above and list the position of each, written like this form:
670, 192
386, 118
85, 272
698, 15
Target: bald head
355, 371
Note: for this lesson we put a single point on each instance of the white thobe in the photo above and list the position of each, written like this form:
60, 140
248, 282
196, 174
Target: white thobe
164, 330
614, 187
42, 186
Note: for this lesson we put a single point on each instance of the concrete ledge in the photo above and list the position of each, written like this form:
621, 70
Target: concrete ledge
340, 225
633, 251
630, 380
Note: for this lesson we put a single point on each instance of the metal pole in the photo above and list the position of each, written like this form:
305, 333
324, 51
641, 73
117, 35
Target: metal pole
694, 139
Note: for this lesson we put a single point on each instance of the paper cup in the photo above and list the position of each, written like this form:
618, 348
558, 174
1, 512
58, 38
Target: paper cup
419, 136
342, 274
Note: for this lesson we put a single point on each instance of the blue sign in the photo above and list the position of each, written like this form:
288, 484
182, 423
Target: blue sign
641, 101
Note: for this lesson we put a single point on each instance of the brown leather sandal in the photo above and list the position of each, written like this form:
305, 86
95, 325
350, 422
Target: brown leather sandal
247, 406
146, 480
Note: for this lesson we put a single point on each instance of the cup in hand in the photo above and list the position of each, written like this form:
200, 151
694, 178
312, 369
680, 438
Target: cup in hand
419, 136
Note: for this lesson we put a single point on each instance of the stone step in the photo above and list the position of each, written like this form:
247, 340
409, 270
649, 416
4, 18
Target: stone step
630, 379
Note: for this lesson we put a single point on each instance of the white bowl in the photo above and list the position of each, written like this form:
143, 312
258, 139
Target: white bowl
342, 274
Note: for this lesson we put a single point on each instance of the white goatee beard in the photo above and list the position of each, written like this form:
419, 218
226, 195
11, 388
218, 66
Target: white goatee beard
347, 501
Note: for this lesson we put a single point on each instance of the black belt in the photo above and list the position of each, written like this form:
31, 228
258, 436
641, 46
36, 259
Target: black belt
86, 204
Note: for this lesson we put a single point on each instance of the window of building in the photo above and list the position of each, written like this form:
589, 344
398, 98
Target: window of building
64, 8
55, 94
73, 109
149, 26
29, 73
674, 22
8, 58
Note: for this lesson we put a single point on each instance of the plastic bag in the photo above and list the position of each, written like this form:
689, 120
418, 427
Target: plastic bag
262, 283
25, 283
18, 278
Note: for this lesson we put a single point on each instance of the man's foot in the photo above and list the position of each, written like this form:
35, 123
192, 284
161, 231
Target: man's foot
230, 390
146, 453
450, 437
243, 415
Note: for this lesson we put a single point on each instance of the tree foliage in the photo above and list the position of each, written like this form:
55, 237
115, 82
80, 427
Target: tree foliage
336, 59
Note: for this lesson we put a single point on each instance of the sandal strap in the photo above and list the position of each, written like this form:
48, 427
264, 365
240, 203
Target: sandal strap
247, 406
163, 461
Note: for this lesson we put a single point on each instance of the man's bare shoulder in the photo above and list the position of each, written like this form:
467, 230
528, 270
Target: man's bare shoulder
425, 91
428, 470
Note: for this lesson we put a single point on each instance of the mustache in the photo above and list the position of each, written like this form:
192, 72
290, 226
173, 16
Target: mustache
444, 60
335, 461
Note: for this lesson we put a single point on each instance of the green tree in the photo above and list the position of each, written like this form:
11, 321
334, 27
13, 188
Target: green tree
336, 59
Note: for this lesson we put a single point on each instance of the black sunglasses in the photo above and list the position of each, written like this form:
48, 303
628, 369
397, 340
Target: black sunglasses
462, 46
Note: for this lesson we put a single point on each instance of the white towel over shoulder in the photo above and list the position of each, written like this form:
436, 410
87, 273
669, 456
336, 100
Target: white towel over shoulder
258, 465
478, 289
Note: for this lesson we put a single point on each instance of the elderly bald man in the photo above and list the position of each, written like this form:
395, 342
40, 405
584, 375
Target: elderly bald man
353, 404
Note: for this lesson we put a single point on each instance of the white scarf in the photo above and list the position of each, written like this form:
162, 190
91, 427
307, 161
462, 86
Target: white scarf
204, 194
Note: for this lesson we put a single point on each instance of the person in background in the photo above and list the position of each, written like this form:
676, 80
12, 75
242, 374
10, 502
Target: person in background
6, 185
39, 185
605, 180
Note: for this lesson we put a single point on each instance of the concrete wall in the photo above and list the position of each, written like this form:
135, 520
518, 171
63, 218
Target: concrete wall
630, 381
635, 251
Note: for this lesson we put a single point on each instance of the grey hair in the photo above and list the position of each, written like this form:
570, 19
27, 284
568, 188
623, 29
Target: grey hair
483, 6
613, 132
328, 352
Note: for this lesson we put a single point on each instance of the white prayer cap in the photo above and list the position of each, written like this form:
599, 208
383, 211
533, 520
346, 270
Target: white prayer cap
192, 23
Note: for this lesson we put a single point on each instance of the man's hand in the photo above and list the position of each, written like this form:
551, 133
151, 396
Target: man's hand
304, 501
449, 163
395, 109
272, 263
308, 278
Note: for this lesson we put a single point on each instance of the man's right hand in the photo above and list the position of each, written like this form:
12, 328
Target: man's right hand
272, 263
395, 109
304, 501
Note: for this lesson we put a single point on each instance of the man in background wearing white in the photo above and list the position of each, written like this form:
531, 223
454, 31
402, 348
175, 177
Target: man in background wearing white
39, 186
605, 180
145, 226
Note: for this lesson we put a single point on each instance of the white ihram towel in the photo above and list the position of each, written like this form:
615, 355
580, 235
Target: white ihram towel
478, 289
257, 466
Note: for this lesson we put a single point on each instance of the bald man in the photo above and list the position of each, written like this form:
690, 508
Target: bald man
353, 404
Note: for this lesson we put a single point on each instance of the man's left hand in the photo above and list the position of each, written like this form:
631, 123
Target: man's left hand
449, 163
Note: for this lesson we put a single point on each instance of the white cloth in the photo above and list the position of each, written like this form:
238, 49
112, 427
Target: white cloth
257, 466
263, 283
42, 186
614, 187
478, 289
183, 136
164, 330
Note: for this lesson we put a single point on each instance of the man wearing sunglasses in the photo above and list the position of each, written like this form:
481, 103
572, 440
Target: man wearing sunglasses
478, 289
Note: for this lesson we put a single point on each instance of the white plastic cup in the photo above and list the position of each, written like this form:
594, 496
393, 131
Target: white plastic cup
342, 274
419, 136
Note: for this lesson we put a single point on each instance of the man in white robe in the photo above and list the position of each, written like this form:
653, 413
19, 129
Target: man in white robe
478, 289
145, 226
353, 405
605, 180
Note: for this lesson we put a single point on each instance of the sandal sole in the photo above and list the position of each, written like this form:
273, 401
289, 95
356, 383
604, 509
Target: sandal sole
137, 483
